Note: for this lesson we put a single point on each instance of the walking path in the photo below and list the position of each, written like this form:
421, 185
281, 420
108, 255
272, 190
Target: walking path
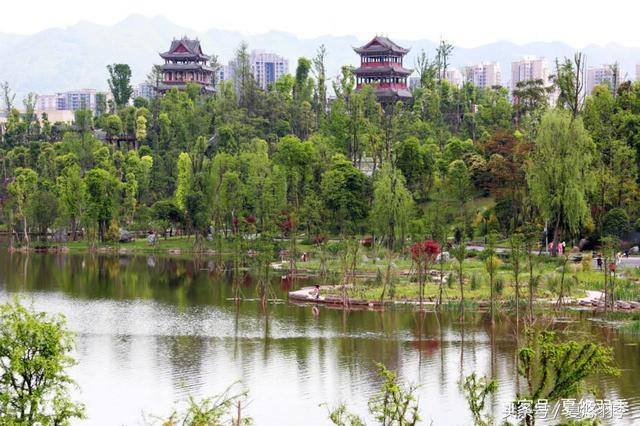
592, 296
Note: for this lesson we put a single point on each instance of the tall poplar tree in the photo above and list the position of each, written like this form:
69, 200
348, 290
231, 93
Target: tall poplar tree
120, 83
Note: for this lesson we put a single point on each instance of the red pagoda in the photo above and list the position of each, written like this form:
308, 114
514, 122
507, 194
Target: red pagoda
381, 66
186, 63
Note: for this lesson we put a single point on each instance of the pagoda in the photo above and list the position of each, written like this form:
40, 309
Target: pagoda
186, 63
381, 66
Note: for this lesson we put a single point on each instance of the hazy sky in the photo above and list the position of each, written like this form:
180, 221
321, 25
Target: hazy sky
466, 23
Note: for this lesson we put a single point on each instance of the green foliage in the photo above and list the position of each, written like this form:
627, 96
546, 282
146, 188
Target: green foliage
474, 281
119, 83
72, 195
43, 211
22, 191
476, 390
346, 167
616, 223
218, 410
559, 174
185, 178
102, 190
344, 190
555, 370
459, 182
113, 125
392, 206
499, 284
392, 405
34, 357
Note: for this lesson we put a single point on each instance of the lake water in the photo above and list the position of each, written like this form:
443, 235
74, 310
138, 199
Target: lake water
153, 330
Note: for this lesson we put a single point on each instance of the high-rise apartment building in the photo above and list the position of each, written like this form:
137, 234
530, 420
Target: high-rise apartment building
454, 77
267, 67
485, 74
67, 101
144, 90
224, 73
48, 102
529, 68
603, 74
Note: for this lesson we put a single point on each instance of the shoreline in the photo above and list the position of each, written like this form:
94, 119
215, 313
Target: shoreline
591, 303
182, 248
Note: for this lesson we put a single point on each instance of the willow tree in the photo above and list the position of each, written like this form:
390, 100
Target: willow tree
559, 173
392, 204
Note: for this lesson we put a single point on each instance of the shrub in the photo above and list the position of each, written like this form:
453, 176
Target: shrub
474, 281
616, 223
499, 284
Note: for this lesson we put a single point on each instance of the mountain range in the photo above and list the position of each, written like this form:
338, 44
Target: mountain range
76, 57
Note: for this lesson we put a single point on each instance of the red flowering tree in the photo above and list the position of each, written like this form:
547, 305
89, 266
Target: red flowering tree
423, 254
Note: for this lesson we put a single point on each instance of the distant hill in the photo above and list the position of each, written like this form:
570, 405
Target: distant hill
76, 57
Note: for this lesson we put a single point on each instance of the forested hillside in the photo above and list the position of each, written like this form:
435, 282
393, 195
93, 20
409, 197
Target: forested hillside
455, 162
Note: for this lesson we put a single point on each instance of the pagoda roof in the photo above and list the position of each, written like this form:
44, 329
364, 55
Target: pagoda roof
382, 70
185, 48
380, 44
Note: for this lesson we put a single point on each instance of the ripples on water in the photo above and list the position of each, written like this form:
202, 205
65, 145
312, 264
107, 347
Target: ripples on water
149, 336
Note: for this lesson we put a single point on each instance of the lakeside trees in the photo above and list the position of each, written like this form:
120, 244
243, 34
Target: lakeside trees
349, 166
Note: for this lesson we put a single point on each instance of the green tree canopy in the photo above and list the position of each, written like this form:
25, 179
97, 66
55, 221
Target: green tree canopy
34, 358
559, 173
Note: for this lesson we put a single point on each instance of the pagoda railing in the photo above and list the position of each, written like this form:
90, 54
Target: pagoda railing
381, 64
385, 85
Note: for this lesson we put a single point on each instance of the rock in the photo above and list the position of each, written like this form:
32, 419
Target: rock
125, 236
622, 305
634, 250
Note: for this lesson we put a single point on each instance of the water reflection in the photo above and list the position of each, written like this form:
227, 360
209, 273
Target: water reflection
153, 330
